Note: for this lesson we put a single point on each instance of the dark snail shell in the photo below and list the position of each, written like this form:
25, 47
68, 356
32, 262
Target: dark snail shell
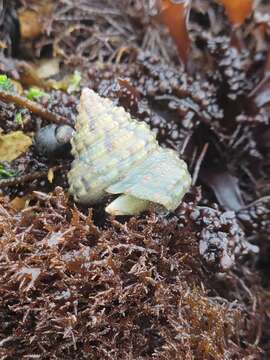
118, 155
52, 139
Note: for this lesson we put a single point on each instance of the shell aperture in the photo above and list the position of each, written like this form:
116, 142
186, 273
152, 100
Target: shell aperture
115, 154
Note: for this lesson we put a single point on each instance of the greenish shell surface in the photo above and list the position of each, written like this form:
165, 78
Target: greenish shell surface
116, 154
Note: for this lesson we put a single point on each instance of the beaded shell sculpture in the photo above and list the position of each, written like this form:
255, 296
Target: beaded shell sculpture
115, 154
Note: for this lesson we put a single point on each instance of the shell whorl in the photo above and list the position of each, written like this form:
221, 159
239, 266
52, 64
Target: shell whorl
116, 154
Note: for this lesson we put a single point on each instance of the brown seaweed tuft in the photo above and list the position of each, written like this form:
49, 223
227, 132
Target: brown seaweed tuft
139, 289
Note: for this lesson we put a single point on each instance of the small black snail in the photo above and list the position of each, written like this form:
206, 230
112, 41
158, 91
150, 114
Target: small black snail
52, 139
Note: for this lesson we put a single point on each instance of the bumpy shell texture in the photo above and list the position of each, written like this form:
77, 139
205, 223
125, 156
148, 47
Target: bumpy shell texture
116, 154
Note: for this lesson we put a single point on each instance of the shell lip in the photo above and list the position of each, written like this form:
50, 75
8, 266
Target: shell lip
145, 198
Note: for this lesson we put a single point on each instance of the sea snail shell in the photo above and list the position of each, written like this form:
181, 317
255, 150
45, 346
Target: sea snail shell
53, 139
115, 154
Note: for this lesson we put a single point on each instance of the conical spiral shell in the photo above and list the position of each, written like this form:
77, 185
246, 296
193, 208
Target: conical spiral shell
116, 154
